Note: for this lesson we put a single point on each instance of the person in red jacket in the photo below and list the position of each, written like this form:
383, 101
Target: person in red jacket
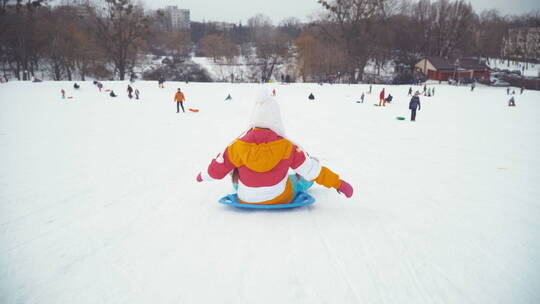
262, 157
382, 101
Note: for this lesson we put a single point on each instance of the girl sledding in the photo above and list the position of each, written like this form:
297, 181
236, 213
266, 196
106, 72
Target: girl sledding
262, 157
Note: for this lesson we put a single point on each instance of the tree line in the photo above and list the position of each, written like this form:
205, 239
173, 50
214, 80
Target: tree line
110, 39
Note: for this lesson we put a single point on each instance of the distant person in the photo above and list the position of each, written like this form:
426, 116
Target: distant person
63, 92
179, 98
508, 91
382, 100
472, 86
410, 92
521, 90
137, 94
414, 104
513, 92
311, 96
34, 79
132, 78
432, 91
274, 92
389, 98
511, 102
95, 82
100, 86
425, 89
76, 86
130, 91
229, 97
361, 98
369, 89
161, 82
112, 94
186, 79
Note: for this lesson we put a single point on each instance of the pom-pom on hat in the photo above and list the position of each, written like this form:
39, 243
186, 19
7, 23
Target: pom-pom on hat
266, 113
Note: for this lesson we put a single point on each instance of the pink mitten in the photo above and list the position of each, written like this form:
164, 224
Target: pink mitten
346, 189
199, 178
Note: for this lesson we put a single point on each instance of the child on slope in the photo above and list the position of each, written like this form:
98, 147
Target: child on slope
262, 158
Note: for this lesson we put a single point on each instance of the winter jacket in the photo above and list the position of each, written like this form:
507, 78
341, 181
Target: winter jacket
415, 103
381, 96
263, 159
179, 97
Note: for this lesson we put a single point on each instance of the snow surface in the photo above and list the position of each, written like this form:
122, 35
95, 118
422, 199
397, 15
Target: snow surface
99, 204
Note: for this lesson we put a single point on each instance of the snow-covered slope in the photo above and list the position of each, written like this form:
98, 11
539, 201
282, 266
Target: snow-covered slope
99, 204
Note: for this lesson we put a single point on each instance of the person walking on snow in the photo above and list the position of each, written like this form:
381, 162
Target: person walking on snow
130, 91
137, 94
382, 101
161, 82
410, 92
415, 103
261, 158
179, 98
63, 93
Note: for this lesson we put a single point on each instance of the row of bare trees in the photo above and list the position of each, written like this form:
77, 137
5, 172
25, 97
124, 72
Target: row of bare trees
110, 37
103, 41
350, 33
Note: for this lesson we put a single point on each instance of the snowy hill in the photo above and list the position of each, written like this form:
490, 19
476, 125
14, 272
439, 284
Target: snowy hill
99, 204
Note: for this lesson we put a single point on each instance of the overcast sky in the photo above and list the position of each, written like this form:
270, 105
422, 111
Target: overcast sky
277, 10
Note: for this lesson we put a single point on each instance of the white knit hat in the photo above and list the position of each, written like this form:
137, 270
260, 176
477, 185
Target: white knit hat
266, 113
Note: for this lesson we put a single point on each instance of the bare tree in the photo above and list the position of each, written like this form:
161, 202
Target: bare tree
355, 22
20, 44
318, 60
122, 28
272, 50
178, 44
219, 47
291, 26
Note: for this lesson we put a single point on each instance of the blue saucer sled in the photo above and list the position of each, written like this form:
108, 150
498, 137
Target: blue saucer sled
302, 199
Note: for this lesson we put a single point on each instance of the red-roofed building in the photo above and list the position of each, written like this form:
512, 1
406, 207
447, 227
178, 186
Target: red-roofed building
440, 68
